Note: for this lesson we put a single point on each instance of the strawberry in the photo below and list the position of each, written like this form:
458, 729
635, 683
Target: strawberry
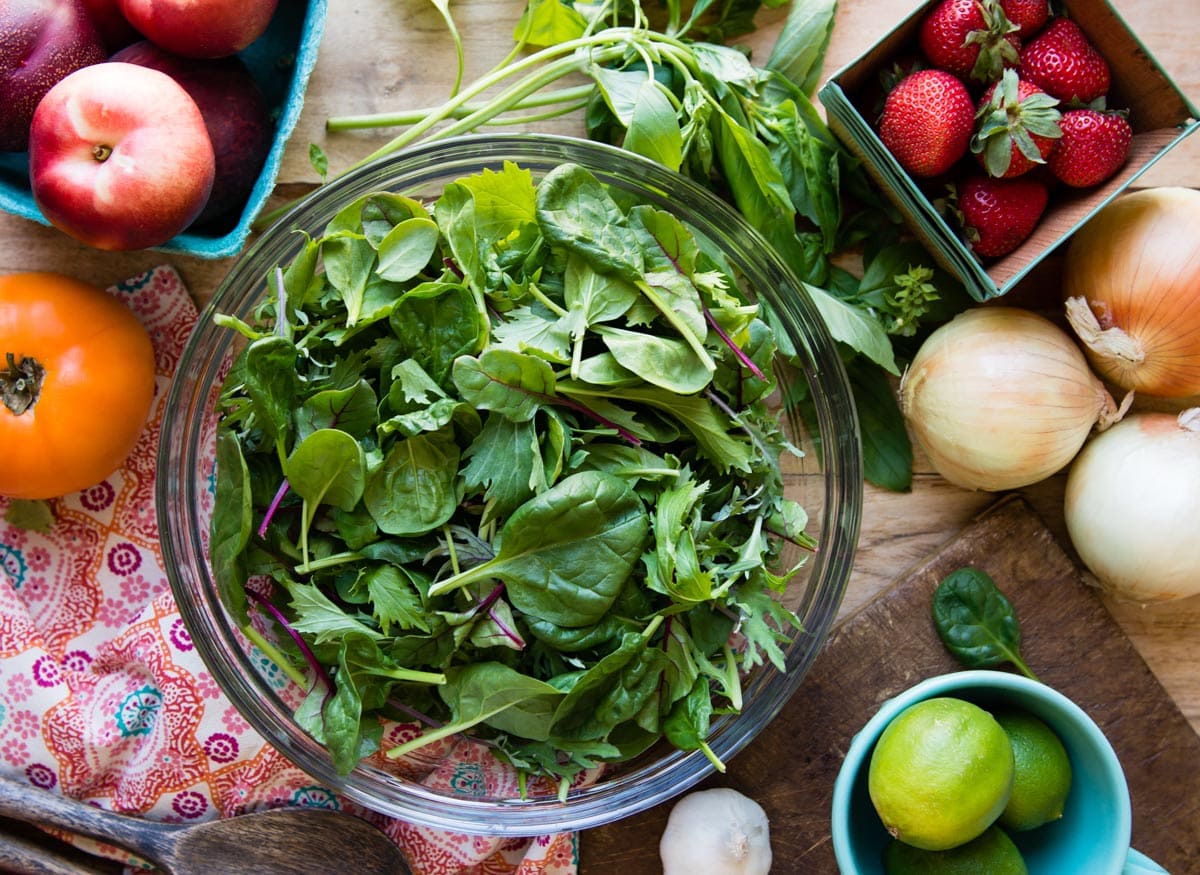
998, 214
970, 38
927, 122
1063, 63
1093, 147
1016, 127
1029, 16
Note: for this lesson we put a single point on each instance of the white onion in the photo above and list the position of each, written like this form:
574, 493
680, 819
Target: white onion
1132, 506
1132, 282
1001, 397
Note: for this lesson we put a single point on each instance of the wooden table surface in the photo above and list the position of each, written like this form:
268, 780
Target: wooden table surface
380, 55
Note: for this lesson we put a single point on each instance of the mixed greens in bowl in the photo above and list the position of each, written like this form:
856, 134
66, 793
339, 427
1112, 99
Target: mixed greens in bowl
521, 439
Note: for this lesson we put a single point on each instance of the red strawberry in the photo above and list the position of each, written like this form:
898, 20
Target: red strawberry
1093, 147
1029, 16
970, 38
998, 214
927, 122
1065, 64
1016, 127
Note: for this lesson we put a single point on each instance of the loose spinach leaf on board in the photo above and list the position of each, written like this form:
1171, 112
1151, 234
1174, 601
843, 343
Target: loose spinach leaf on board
977, 622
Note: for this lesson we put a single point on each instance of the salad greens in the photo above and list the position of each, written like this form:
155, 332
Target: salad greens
506, 463
661, 82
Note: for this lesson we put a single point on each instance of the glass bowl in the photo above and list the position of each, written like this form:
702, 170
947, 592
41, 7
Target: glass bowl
827, 481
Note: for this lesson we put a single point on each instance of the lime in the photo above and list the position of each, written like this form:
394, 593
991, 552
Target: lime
1042, 776
992, 853
940, 773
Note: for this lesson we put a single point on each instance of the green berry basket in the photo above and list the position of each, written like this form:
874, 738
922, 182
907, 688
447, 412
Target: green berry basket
1160, 114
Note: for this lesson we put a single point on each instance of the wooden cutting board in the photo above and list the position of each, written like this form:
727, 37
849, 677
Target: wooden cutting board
1069, 639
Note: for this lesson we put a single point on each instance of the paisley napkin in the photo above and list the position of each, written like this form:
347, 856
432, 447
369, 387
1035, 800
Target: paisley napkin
104, 698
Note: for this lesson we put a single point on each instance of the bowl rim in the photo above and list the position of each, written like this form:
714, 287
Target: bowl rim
586, 806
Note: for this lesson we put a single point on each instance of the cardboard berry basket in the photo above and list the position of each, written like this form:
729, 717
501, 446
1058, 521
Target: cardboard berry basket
1159, 113
280, 62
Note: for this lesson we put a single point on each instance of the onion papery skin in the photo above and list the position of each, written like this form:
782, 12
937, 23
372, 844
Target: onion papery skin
1136, 264
1132, 507
1000, 397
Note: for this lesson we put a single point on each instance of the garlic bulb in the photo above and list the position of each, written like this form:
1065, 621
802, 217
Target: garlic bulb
716, 832
1000, 397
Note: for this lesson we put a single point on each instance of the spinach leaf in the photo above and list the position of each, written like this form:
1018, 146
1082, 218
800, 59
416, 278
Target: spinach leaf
977, 622
565, 554
414, 489
230, 526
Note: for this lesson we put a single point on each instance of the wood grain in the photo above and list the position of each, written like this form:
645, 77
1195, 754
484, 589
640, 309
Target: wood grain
888, 643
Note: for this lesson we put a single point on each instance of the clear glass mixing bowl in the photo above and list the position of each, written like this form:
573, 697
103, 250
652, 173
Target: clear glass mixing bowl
827, 481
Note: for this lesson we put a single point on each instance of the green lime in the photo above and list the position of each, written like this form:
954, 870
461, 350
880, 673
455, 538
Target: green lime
992, 853
940, 773
1042, 777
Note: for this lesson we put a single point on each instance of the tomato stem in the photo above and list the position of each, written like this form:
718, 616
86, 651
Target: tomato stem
20, 383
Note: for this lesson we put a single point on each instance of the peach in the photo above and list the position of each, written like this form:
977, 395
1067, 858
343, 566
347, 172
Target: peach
119, 157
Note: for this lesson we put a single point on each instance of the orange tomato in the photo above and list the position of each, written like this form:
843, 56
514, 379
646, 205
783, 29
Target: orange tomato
76, 383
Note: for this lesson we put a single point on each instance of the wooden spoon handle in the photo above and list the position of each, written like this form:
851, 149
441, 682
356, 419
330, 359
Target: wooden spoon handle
31, 805
28, 857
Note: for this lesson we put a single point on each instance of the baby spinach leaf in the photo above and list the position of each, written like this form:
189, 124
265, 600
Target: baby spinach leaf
662, 361
610, 692
231, 525
436, 323
348, 258
565, 554
977, 622
414, 489
407, 249
327, 467
686, 726
575, 211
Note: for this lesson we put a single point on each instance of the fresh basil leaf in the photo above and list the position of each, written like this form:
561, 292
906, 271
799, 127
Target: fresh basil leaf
799, 51
887, 449
654, 127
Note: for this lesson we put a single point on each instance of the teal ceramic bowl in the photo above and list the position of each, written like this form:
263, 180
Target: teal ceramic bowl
1093, 835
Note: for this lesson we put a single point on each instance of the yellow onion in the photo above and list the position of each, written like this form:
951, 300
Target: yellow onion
1132, 506
1132, 282
1001, 397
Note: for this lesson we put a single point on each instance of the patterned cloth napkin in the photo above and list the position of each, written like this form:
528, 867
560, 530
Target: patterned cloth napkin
104, 698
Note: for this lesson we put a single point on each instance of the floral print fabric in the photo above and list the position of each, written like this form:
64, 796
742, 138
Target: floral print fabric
104, 698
